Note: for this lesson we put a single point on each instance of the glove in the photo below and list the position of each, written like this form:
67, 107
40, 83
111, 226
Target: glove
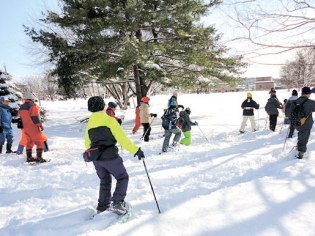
139, 154
1, 129
181, 106
195, 123
119, 121
153, 115
41, 128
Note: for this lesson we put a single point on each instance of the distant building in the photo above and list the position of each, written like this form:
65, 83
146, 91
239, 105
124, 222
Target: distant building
264, 83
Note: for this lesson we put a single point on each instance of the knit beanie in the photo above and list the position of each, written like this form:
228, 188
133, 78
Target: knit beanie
95, 104
306, 90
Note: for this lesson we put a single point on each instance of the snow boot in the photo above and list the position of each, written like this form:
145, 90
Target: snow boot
9, 146
300, 155
39, 153
29, 157
46, 148
119, 208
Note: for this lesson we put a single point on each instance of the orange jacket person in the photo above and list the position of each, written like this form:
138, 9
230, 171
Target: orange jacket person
32, 127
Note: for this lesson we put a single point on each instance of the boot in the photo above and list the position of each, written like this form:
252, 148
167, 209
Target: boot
9, 146
120, 208
39, 153
300, 155
29, 157
1, 148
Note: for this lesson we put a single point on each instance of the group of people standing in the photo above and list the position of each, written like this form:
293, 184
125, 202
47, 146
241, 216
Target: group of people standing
31, 128
173, 122
272, 106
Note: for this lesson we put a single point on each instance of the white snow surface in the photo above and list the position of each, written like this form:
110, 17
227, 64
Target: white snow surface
232, 185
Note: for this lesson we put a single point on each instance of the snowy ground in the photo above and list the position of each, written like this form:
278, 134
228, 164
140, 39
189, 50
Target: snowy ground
232, 185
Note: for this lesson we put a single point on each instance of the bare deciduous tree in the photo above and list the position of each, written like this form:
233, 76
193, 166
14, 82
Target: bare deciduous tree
272, 27
299, 72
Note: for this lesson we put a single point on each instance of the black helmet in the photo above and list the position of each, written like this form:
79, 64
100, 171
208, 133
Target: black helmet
96, 103
112, 104
188, 110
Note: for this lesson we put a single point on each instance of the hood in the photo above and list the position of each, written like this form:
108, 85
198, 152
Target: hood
293, 98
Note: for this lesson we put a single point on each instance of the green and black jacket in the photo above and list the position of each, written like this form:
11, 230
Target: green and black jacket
104, 132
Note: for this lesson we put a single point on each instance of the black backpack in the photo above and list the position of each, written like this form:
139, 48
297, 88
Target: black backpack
298, 115
167, 120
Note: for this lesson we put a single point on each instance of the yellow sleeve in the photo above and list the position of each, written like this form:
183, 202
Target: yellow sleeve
87, 140
121, 137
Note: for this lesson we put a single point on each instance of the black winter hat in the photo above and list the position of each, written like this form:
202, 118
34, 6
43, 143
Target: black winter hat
294, 92
96, 103
112, 104
188, 110
306, 90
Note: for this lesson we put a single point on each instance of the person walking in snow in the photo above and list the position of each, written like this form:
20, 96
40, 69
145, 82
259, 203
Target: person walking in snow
5, 124
145, 117
169, 120
173, 101
103, 132
137, 120
33, 128
185, 124
271, 108
248, 107
287, 110
304, 130
111, 108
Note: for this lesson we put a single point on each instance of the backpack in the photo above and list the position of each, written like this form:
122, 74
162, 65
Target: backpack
180, 122
167, 120
298, 115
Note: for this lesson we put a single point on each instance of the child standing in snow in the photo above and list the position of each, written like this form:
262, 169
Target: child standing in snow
103, 132
248, 107
137, 121
145, 117
5, 124
185, 125
169, 120
32, 127
271, 108
111, 111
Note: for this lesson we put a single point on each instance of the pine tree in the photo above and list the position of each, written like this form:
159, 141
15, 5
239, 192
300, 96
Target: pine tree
148, 40
9, 89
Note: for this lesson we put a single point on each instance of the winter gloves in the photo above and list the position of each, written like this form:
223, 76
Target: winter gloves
140, 154
195, 123
119, 121
153, 115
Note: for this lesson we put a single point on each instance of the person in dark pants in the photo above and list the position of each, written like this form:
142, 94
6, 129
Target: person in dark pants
287, 111
6, 132
170, 115
145, 117
304, 130
271, 108
103, 132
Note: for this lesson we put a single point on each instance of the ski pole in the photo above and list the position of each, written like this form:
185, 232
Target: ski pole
147, 129
286, 137
258, 120
203, 134
157, 204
